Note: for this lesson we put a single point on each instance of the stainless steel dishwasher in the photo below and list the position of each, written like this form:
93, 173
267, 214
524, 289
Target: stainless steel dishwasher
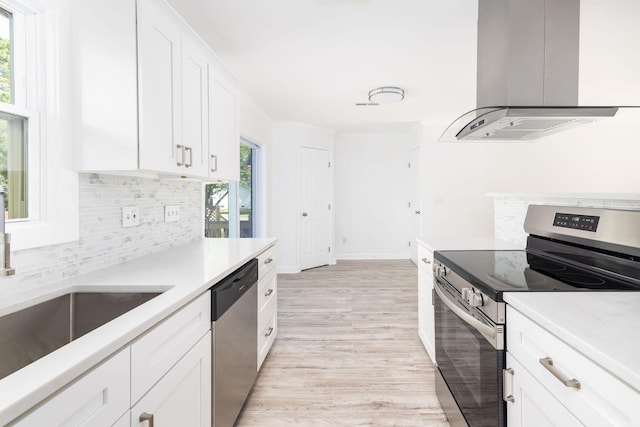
234, 322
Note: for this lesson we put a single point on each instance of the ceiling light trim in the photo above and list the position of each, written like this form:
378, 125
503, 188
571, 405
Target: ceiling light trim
386, 94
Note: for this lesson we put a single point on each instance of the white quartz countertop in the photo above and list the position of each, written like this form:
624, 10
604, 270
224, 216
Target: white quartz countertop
184, 272
601, 325
448, 243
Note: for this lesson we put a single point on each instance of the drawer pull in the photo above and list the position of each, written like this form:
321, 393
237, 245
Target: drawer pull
268, 260
269, 292
269, 332
214, 168
181, 148
506, 397
426, 261
145, 416
547, 363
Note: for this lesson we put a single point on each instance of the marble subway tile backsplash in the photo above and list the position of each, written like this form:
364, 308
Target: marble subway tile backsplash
103, 242
510, 210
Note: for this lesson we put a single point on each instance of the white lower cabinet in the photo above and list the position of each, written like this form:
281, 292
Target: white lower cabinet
99, 398
153, 354
267, 302
426, 319
530, 404
183, 396
164, 377
553, 381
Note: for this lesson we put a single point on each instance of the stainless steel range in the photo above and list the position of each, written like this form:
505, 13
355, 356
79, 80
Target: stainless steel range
568, 249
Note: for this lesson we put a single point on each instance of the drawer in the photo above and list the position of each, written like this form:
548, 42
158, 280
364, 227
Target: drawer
98, 398
601, 400
267, 331
155, 353
425, 257
267, 291
267, 260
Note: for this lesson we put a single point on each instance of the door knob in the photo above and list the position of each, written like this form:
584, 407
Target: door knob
305, 214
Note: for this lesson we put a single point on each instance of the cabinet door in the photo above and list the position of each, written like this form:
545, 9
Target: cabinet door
224, 140
195, 107
96, 399
532, 404
153, 354
426, 315
183, 396
159, 87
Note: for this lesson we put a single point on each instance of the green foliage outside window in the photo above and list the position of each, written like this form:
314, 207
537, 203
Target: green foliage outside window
5, 96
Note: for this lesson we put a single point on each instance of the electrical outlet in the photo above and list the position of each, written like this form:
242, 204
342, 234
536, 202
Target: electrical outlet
171, 213
130, 217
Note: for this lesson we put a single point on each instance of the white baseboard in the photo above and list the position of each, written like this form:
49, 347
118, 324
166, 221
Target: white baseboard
371, 256
288, 269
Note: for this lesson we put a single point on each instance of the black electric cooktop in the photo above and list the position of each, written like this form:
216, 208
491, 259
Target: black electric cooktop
495, 272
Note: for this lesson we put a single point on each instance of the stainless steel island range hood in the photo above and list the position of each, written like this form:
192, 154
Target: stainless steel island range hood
528, 74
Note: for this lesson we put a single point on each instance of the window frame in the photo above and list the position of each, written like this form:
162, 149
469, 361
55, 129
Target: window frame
42, 72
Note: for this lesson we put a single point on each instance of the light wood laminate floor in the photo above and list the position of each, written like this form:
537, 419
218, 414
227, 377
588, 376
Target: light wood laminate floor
347, 352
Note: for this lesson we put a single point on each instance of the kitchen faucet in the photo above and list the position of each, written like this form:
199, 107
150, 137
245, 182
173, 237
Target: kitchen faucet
5, 241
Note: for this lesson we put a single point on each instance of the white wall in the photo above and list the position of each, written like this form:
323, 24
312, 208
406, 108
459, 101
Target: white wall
609, 52
285, 185
455, 178
372, 194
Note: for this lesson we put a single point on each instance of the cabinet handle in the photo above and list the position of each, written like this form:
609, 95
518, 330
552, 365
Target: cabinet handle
305, 214
418, 212
181, 148
506, 397
547, 363
214, 167
268, 260
426, 261
145, 416
269, 332
188, 165
269, 292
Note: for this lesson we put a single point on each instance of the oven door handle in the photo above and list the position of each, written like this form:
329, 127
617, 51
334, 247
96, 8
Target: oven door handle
486, 331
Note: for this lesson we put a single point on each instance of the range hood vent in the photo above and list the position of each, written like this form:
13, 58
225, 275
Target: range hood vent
521, 123
528, 60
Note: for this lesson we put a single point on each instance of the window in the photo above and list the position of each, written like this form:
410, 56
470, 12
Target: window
13, 128
38, 83
230, 208
246, 199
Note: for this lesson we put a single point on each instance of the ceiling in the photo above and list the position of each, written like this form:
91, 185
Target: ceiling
312, 60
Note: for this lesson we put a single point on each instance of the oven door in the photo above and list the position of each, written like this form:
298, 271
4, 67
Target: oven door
470, 359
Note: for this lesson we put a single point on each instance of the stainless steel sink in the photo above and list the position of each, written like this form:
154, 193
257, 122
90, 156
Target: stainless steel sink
32, 333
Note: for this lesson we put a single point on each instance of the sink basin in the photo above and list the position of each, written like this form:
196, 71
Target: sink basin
32, 333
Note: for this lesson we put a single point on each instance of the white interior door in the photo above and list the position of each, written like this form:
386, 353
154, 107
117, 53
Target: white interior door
415, 211
314, 208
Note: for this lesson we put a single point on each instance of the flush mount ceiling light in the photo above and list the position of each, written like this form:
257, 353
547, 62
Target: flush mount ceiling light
386, 95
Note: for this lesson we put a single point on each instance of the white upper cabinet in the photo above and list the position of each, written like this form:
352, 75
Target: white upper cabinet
195, 106
159, 87
143, 94
224, 141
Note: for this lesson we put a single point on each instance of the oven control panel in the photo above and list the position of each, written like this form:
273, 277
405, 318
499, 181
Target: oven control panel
577, 222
